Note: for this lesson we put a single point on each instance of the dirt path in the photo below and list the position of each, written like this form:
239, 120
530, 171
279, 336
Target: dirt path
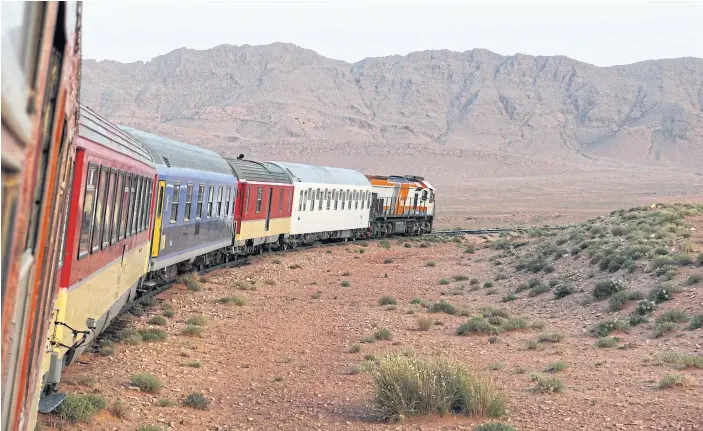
282, 361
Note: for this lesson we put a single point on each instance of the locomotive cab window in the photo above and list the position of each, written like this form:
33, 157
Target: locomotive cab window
189, 202
174, 202
199, 205
88, 210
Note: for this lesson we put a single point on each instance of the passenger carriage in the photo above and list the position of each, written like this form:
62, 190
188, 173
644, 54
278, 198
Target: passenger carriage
328, 203
264, 204
106, 248
193, 221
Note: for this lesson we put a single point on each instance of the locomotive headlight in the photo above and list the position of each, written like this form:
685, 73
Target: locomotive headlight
90, 323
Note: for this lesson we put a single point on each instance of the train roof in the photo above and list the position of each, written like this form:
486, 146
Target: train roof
95, 128
171, 153
260, 172
323, 174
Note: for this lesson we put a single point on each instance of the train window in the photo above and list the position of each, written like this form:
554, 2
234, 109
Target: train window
369, 200
147, 204
342, 198
300, 201
335, 196
115, 229
174, 201
290, 200
229, 199
189, 202
219, 202
259, 197
199, 205
321, 197
142, 218
69, 194
311, 195
424, 195
356, 200
363, 199
88, 210
130, 209
99, 209
431, 196
109, 207
138, 206
210, 199
280, 200
125, 206
305, 199
246, 200
329, 198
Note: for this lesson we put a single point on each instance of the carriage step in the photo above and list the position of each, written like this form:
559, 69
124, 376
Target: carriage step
48, 403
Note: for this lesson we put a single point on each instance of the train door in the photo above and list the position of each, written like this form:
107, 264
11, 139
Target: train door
268, 210
156, 240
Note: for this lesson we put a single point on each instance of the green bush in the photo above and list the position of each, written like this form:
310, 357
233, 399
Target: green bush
546, 384
196, 401
661, 293
477, 325
424, 324
193, 331
671, 380
494, 426
606, 288
460, 278
473, 281
683, 361
538, 290
129, 336
146, 382
520, 287
158, 320
80, 408
603, 329
443, 282
430, 263
696, 322
607, 342
662, 328
487, 284
345, 283
416, 301
674, 315
443, 307
190, 281
645, 307
387, 300
693, 279
383, 334
169, 313
563, 291
555, 367
407, 386
236, 300
550, 337
509, 298
152, 334
199, 320
387, 261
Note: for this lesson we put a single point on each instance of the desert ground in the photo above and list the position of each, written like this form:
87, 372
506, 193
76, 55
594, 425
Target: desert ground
290, 341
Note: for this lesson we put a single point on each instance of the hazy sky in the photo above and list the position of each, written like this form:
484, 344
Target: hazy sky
598, 32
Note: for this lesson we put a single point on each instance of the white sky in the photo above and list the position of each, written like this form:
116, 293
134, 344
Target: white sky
598, 32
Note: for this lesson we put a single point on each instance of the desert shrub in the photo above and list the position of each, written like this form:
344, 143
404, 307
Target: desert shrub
520, 287
345, 283
295, 266
694, 279
494, 426
662, 328
645, 307
607, 342
387, 261
196, 401
671, 380
169, 313
416, 301
129, 336
547, 384
236, 300
383, 334
619, 230
563, 291
424, 324
606, 288
619, 299
412, 387
146, 382
674, 315
118, 409
682, 259
509, 298
387, 300
79, 408
635, 319
550, 337
165, 402
603, 329
316, 295
354, 348
534, 282
477, 325
385, 244
198, 320
661, 293
696, 322
487, 284
555, 367
190, 281
106, 348
490, 311
538, 290
536, 265
515, 323
443, 282
152, 334
473, 281
699, 259
443, 307
682, 361
192, 331
158, 320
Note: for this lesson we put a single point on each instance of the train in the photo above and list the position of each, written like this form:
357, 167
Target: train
145, 209
97, 215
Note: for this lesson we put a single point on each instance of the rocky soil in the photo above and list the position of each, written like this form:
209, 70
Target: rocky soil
288, 358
